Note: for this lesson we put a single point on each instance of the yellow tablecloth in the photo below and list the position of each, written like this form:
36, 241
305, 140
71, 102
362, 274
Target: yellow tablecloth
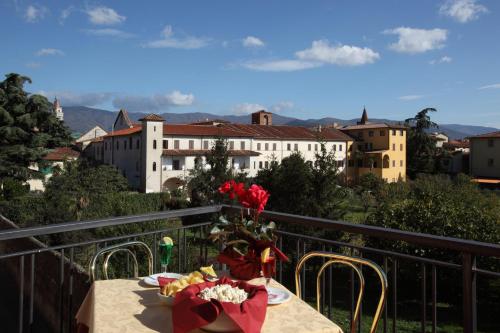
130, 306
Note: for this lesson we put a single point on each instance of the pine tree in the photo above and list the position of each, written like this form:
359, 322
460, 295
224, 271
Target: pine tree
28, 128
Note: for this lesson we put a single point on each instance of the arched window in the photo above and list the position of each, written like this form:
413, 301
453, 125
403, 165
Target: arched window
154, 144
154, 166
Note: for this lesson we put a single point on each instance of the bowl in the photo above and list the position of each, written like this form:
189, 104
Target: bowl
222, 324
167, 300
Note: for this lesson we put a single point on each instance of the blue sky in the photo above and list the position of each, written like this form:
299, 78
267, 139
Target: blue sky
306, 59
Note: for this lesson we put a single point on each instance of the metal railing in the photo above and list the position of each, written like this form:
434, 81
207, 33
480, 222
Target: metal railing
65, 274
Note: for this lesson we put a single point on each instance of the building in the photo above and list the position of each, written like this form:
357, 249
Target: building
485, 157
439, 138
58, 111
379, 148
55, 158
455, 157
84, 140
156, 156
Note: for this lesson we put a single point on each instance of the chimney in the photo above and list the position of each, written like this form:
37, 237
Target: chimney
262, 118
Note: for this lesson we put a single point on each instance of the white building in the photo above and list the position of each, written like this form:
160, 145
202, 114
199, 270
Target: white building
91, 135
58, 111
156, 156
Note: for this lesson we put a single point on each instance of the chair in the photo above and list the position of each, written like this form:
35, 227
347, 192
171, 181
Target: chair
124, 247
354, 263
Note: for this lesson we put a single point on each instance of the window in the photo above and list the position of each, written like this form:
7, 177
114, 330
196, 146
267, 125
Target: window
334, 147
231, 145
260, 164
401, 163
370, 133
176, 144
154, 144
154, 166
309, 147
137, 144
401, 132
124, 144
191, 144
176, 165
258, 146
266, 164
491, 162
401, 146
340, 147
205, 144
393, 163
154, 128
266, 146
242, 145
382, 133
360, 135
393, 146
296, 147
340, 164
490, 143
130, 142
393, 132
274, 146
165, 144
316, 147
254, 164
233, 162
117, 145
288, 146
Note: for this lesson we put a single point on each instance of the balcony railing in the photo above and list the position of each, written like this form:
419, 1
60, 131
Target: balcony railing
43, 286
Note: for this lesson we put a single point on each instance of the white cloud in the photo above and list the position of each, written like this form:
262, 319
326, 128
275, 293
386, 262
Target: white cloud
49, 52
108, 32
342, 55
490, 86
65, 13
247, 108
462, 10
102, 15
33, 64
252, 42
281, 106
410, 97
417, 40
169, 41
68, 98
157, 102
279, 65
34, 13
441, 60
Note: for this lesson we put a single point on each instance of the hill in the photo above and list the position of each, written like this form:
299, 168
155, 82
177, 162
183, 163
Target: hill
81, 119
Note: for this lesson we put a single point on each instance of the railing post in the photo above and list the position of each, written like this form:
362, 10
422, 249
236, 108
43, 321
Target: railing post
469, 293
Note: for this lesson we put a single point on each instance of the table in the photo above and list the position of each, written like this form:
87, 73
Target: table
128, 305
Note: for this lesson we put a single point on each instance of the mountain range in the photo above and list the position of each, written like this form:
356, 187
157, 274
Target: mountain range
80, 119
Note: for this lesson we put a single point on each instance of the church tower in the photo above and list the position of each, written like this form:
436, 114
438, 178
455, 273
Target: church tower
58, 110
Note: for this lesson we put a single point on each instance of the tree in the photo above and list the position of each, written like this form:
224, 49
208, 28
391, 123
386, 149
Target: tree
421, 148
28, 128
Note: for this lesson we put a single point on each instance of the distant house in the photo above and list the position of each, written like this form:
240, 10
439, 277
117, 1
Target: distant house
455, 157
379, 148
440, 138
92, 134
485, 157
56, 159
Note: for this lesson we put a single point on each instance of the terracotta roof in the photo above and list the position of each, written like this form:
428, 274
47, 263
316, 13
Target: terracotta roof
62, 154
202, 130
456, 144
487, 135
372, 126
210, 122
201, 152
152, 117
125, 131
288, 132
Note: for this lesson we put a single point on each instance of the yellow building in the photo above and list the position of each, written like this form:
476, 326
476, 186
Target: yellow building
379, 148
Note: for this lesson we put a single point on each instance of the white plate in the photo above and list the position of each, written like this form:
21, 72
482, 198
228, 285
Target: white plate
277, 296
152, 280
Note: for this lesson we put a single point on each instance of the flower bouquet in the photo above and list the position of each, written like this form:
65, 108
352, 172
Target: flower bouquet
245, 237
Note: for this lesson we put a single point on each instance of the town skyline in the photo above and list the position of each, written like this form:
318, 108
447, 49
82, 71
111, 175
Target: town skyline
392, 58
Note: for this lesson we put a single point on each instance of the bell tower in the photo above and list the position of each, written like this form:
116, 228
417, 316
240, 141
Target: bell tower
58, 111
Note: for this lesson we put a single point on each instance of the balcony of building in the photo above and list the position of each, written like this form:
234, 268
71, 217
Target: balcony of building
43, 286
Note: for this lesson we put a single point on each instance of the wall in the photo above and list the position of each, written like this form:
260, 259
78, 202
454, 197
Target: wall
479, 155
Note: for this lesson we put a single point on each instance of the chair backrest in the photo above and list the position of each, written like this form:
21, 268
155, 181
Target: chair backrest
354, 263
123, 247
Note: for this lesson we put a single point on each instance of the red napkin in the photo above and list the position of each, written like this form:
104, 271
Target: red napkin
165, 280
190, 312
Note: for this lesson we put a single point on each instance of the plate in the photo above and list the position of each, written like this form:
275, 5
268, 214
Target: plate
167, 300
152, 280
277, 296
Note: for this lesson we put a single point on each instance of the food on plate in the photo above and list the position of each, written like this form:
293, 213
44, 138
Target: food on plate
209, 270
224, 293
174, 287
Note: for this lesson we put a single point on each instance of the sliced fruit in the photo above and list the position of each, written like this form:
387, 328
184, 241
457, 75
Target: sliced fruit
209, 270
167, 240
264, 256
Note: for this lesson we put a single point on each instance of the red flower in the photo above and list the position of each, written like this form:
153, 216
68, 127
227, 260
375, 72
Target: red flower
255, 197
226, 187
239, 189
